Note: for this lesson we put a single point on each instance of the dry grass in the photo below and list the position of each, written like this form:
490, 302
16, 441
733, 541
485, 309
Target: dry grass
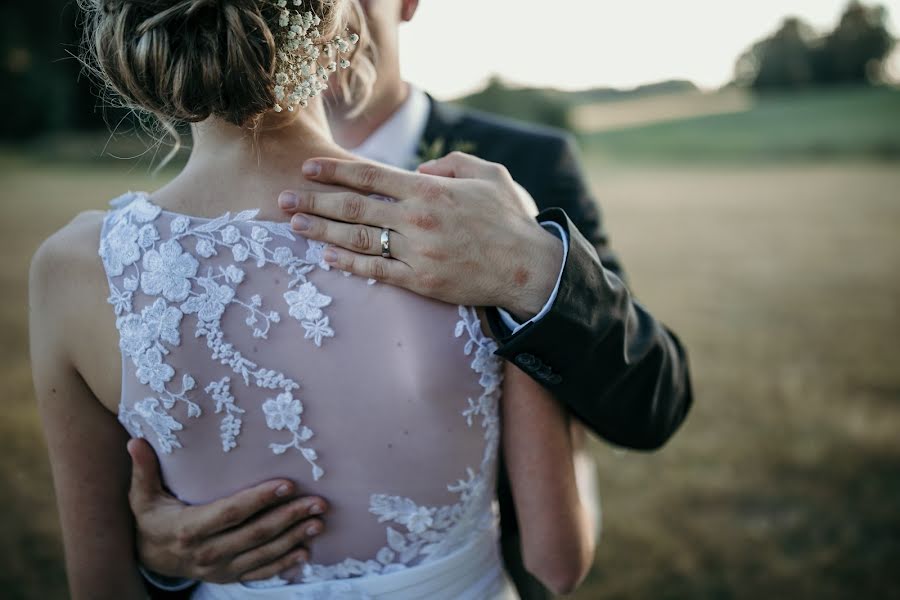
782, 281
608, 116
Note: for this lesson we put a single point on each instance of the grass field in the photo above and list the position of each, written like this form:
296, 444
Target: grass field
782, 281
732, 126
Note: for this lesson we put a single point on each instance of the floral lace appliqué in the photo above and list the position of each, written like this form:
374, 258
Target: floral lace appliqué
164, 267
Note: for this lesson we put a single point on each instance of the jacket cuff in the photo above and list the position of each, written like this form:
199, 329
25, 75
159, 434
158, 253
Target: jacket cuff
550, 348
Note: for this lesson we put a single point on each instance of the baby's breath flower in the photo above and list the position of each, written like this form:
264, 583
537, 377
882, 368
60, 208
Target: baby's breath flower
299, 48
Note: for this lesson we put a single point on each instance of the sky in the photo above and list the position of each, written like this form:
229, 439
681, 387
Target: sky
452, 46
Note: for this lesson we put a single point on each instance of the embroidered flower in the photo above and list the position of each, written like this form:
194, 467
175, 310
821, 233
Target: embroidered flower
230, 234
283, 412
162, 424
147, 236
233, 274
168, 271
314, 254
306, 302
120, 248
179, 224
259, 234
153, 371
240, 252
121, 301
209, 305
134, 335
163, 321
419, 520
142, 210
205, 247
282, 256
316, 330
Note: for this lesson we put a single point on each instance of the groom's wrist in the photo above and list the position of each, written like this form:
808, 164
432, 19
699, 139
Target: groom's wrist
530, 295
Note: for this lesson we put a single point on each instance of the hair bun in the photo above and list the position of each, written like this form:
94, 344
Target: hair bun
188, 59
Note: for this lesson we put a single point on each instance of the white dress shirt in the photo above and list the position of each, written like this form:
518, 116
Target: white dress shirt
396, 142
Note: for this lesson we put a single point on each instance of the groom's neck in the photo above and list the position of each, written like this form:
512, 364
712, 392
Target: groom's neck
350, 130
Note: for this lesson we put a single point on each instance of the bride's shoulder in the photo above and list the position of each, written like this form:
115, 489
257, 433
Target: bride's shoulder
67, 262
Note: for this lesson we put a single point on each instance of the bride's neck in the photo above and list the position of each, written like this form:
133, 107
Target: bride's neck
280, 142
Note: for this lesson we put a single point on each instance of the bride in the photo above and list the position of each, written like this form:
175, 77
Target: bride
194, 317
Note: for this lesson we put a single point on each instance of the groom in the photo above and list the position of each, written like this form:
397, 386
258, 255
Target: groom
562, 312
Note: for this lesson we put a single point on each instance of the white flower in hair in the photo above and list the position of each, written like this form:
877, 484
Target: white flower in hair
299, 76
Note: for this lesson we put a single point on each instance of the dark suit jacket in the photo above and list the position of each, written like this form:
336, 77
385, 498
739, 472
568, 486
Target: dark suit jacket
617, 369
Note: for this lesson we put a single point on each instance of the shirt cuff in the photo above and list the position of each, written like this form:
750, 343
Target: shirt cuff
508, 320
166, 584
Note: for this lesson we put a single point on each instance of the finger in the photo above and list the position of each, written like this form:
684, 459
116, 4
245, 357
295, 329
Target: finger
387, 270
342, 206
255, 535
290, 540
146, 484
462, 166
368, 177
292, 559
362, 239
209, 519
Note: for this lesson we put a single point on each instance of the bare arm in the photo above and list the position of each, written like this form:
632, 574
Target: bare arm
556, 531
86, 446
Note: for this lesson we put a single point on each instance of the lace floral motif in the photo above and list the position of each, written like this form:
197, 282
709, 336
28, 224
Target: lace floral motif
169, 272
432, 532
163, 263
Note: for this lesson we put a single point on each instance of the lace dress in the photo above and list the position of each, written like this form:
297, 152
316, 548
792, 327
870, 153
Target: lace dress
246, 357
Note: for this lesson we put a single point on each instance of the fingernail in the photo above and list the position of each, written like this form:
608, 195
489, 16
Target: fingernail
287, 200
428, 163
311, 168
299, 222
315, 509
312, 530
329, 255
282, 490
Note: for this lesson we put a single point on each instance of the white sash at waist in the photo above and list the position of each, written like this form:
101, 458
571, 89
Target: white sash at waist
473, 572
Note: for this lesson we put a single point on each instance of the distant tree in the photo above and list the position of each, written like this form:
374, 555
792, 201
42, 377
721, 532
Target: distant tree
855, 51
526, 104
796, 56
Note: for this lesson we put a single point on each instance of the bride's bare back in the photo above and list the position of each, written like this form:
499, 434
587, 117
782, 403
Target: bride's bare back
246, 357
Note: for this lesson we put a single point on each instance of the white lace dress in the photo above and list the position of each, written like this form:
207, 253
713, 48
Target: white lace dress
246, 357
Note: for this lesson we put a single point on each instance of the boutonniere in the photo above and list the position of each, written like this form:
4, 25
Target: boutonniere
439, 148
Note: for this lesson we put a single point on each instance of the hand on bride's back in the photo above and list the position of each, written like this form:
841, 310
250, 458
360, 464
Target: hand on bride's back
254, 534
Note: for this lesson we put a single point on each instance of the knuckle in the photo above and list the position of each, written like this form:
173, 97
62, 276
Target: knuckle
207, 557
378, 269
430, 190
231, 516
456, 155
360, 238
185, 536
307, 202
259, 535
367, 178
432, 282
352, 208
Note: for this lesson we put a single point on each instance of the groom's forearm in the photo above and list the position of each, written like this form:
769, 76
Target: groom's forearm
622, 372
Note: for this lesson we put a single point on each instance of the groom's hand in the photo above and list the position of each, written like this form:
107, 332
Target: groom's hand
462, 230
254, 534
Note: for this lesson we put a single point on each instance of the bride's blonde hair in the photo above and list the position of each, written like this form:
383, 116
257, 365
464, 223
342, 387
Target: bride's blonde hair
187, 60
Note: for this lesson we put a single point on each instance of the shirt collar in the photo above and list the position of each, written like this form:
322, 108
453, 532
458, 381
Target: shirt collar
396, 141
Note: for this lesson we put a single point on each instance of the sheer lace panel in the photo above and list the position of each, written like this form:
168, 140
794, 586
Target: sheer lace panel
246, 357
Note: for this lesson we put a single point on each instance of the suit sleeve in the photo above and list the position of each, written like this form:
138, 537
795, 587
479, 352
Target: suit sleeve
619, 370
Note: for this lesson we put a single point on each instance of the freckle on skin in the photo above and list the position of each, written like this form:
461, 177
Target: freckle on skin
52, 390
520, 276
390, 445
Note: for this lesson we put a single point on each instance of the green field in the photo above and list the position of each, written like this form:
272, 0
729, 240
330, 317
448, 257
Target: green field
838, 124
779, 275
